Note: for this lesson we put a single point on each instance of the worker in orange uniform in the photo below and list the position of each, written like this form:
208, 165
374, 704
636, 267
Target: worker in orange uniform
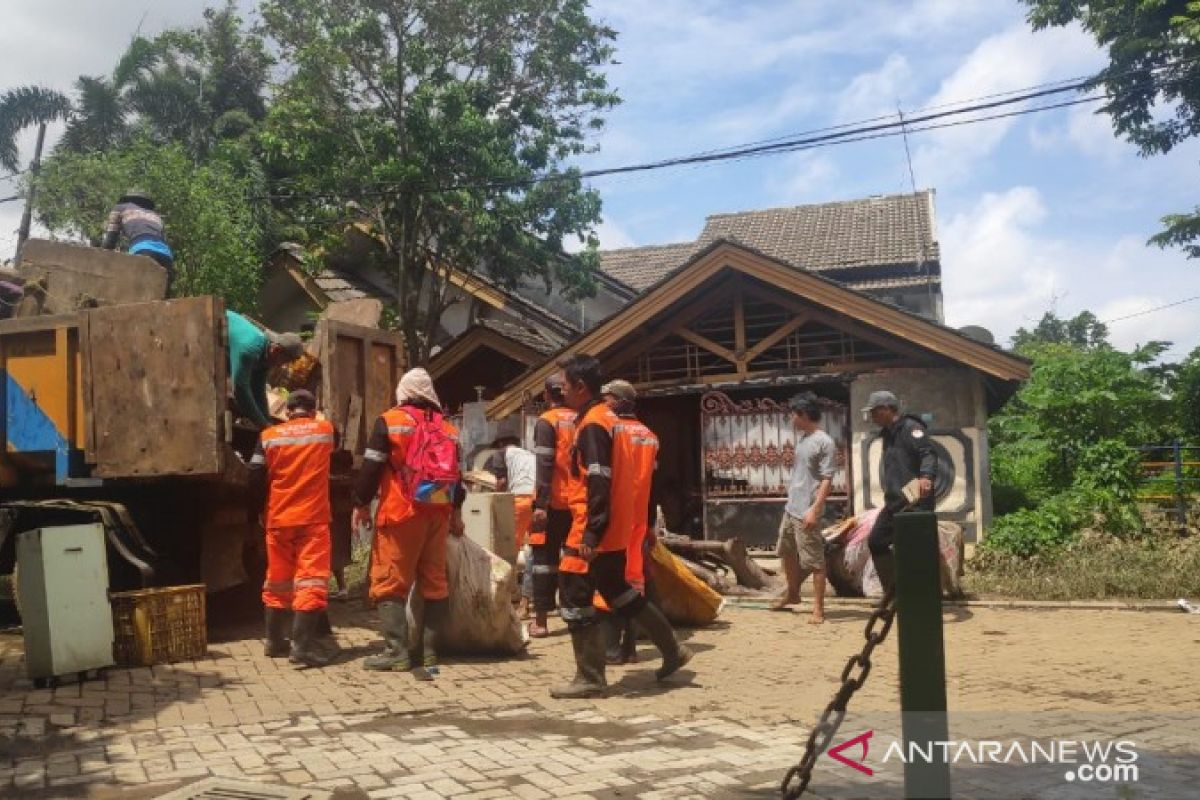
612, 465
553, 437
412, 460
292, 463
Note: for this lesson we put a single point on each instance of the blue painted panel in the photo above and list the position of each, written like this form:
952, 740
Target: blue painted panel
28, 430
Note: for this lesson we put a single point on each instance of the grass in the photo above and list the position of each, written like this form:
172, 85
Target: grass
1161, 566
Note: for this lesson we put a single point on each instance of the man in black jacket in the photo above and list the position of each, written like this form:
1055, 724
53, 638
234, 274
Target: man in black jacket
907, 455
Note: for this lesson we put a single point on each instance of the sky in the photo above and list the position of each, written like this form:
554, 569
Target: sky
1040, 212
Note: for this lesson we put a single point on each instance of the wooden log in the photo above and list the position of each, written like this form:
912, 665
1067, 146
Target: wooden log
721, 584
731, 552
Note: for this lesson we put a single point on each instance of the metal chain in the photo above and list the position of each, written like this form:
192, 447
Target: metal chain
797, 778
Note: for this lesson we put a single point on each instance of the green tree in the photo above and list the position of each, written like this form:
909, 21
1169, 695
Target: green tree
1083, 330
434, 118
1153, 78
24, 107
213, 228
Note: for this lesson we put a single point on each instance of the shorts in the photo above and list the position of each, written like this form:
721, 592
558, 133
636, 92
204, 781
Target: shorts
807, 545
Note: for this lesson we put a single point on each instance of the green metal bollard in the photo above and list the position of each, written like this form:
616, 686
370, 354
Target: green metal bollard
922, 654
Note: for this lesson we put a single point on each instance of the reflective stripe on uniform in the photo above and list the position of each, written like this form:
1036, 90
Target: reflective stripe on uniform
278, 587
303, 582
375, 455
400, 429
312, 438
544, 569
258, 458
596, 469
626, 598
577, 613
544, 451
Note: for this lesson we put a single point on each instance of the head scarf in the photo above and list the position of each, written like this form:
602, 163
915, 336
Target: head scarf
416, 385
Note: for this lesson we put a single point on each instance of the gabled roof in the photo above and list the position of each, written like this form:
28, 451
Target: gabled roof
891, 230
722, 255
521, 343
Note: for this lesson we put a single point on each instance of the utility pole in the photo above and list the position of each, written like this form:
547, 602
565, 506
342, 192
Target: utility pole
27, 216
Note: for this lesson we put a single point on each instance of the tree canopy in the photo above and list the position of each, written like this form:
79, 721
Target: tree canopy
434, 120
1153, 78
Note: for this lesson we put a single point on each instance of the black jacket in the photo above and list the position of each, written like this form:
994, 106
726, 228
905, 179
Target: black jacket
907, 454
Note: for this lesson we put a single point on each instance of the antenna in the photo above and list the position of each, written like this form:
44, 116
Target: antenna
923, 267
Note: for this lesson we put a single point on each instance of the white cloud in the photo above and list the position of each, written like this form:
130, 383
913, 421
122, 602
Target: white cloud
802, 178
611, 235
1013, 59
995, 270
1177, 325
1083, 131
875, 93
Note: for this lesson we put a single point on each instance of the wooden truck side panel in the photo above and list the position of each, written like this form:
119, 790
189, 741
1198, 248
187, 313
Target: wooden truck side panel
360, 368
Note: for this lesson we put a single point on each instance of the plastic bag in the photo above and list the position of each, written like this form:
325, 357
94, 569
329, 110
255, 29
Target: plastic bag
684, 598
481, 617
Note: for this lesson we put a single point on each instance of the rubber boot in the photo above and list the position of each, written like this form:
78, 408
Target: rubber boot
393, 624
629, 636
589, 645
612, 637
279, 625
659, 629
435, 621
885, 568
306, 650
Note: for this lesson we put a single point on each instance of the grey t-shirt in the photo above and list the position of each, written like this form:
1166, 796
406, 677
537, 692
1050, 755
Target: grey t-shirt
815, 460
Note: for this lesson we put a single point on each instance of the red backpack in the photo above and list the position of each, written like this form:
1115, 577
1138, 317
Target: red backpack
430, 473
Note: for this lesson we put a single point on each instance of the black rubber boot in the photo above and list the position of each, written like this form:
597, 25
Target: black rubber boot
393, 624
306, 650
659, 629
279, 625
434, 624
589, 645
629, 637
612, 636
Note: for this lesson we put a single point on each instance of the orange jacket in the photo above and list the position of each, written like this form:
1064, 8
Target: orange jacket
296, 456
553, 436
388, 445
612, 468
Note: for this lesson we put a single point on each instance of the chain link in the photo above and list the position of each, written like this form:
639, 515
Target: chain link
797, 778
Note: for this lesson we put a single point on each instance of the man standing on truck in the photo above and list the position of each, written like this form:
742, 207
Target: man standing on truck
412, 460
612, 465
252, 354
293, 461
553, 437
134, 218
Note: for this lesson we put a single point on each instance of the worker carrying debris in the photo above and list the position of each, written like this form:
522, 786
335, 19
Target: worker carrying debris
293, 461
412, 460
253, 352
515, 470
553, 437
612, 464
134, 219
907, 455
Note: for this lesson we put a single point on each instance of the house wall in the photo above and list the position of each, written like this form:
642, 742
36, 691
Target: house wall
283, 304
952, 402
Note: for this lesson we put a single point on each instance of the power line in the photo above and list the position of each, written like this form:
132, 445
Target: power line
1151, 310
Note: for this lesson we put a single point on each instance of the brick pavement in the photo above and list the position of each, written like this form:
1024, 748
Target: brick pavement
486, 727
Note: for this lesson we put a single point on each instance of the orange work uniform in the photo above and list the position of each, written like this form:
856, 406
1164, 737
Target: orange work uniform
410, 537
296, 458
609, 496
553, 438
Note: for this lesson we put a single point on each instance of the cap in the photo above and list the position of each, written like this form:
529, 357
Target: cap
302, 398
622, 390
139, 197
555, 382
882, 398
291, 344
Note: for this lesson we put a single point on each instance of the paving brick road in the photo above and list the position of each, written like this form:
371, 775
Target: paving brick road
729, 728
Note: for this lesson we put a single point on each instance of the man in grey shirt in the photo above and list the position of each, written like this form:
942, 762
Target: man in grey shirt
801, 548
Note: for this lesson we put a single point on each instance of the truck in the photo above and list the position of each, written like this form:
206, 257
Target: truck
118, 412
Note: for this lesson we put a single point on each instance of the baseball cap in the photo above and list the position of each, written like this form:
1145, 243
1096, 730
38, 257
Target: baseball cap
291, 344
881, 398
620, 389
555, 382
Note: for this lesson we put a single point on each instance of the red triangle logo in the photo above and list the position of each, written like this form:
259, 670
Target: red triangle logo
862, 738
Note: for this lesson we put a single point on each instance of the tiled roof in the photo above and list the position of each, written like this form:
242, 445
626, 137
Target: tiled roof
523, 334
639, 267
898, 282
872, 232
339, 285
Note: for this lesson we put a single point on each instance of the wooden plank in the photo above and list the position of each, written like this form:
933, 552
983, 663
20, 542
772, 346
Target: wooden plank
85, 389
354, 421
75, 277
708, 344
775, 337
158, 388
739, 327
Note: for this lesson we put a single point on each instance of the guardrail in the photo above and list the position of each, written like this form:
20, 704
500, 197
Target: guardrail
1170, 474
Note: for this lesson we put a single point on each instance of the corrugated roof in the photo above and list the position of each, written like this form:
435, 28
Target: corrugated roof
339, 285
873, 232
523, 334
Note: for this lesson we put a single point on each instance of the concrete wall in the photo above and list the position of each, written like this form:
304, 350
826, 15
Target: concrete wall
952, 402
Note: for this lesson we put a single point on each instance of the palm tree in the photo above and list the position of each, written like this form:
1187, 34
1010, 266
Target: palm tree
19, 109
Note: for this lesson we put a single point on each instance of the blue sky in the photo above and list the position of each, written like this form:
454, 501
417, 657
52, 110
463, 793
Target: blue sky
1043, 211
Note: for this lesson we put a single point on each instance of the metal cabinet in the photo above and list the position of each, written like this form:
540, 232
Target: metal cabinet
489, 520
63, 591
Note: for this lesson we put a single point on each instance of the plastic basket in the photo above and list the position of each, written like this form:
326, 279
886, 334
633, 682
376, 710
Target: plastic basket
159, 626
